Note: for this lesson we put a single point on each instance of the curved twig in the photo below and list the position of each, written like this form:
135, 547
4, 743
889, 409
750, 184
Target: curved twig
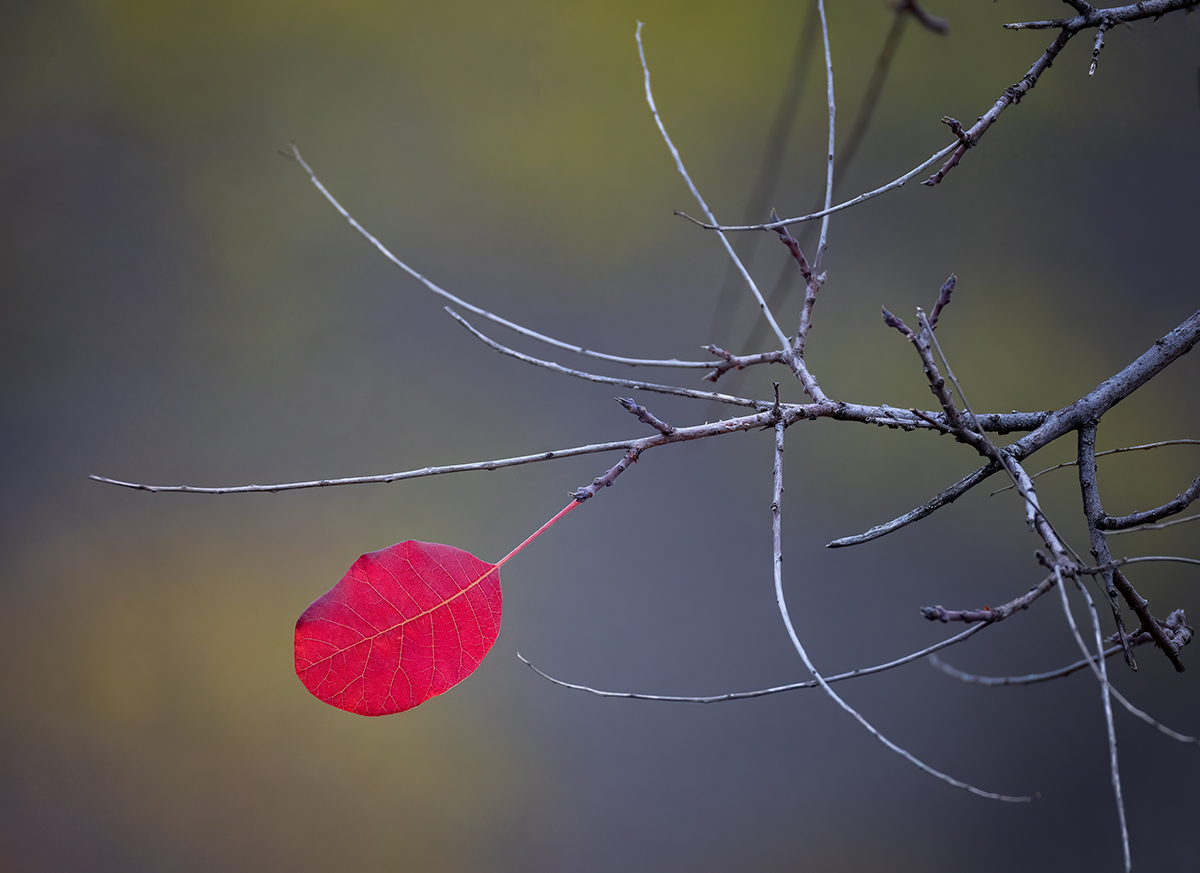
442, 292
761, 692
762, 304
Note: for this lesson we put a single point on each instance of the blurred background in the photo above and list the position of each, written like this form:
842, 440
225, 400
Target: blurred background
180, 305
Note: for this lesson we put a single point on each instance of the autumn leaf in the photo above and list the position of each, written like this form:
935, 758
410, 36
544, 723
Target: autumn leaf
404, 624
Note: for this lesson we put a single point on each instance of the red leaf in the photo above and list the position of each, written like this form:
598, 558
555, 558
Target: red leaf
404, 624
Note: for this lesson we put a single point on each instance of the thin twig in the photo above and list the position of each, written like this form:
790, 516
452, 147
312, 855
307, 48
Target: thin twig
767, 179
738, 362
762, 304
1097, 46
762, 692
990, 614
442, 292
1141, 559
1107, 452
1099, 665
1181, 502
1091, 406
882, 416
1082, 664
606, 479
1093, 17
854, 201
845, 158
777, 564
608, 380
819, 260
942, 498
1030, 679
732, 425
1093, 511
645, 416
1154, 526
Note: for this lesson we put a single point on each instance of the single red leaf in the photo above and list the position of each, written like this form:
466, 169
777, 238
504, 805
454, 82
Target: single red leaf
404, 624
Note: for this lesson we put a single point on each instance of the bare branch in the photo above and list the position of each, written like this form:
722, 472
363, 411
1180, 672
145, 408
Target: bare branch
1097, 46
1171, 507
777, 564
1092, 17
1092, 406
1115, 581
603, 481
1093, 511
1157, 445
732, 425
762, 304
1154, 526
737, 362
767, 179
943, 498
819, 260
1101, 18
882, 416
943, 299
1030, 679
989, 614
1082, 664
609, 380
470, 307
861, 198
1141, 559
764, 692
645, 416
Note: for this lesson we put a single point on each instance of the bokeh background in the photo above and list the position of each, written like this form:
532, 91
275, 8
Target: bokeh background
181, 306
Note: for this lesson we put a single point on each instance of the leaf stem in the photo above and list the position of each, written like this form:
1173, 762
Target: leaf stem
537, 533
